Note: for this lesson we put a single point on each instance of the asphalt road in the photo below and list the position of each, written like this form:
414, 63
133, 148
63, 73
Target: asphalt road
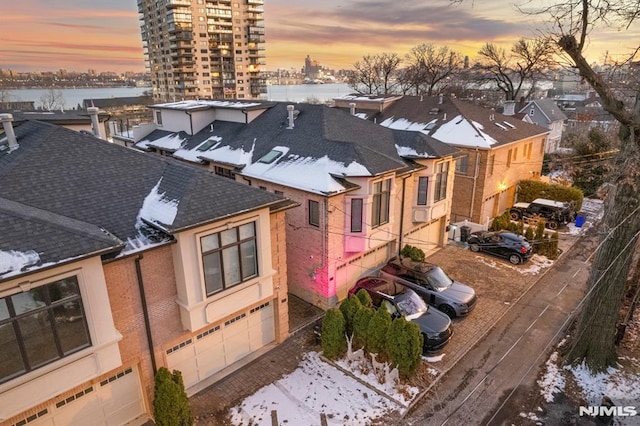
492, 383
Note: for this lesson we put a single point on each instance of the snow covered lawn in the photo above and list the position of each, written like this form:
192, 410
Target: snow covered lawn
317, 387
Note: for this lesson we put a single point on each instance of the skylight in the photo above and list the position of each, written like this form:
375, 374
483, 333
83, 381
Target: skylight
509, 124
206, 145
500, 125
434, 111
270, 156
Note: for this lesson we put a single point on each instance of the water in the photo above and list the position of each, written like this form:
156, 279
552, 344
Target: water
288, 93
73, 97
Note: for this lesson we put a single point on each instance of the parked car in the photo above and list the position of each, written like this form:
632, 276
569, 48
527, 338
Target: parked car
504, 244
433, 285
555, 213
399, 300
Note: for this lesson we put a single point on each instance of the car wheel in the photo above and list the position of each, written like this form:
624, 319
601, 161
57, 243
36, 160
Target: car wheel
448, 310
515, 215
474, 247
552, 224
515, 259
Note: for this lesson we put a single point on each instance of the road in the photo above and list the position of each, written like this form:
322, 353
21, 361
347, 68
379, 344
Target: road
492, 383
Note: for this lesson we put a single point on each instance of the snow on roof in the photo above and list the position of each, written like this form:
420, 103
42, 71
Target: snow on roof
170, 142
459, 131
157, 209
227, 154
404, 124
13, 262
306, 173
194, 154
361, 115
406, 151
195, 104
357, 97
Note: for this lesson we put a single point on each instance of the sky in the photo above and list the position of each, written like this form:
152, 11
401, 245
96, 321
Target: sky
103, 35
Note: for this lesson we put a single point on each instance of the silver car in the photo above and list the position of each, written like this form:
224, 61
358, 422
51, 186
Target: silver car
433, 285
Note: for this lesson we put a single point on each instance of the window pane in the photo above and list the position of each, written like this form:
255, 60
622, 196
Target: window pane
209, 242
423, 184
229, 236
249, 259
212, 272
356, 215
4, 310
63, 289
375, 214
28, 301
314, 213
247, 231
71, 327
38, 340
231, 264
11, 361
384, 209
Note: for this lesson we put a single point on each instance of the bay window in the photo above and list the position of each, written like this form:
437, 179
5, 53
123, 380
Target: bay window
229, 257
41, 326
423, 186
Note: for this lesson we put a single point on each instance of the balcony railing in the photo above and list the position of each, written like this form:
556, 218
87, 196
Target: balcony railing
178, 3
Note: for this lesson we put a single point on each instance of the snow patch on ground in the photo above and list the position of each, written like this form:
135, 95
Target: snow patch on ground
552, 381
618, 384
314, 388
433, 358
535, 265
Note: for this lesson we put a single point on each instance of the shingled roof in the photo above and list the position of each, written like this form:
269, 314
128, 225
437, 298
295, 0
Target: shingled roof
66, 195
323, 144
455, 122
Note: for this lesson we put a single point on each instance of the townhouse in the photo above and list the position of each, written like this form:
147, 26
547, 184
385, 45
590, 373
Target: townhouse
495, 151
364, 191
114, 263
546, 113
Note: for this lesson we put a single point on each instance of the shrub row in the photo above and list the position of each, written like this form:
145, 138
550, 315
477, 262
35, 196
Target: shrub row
529, 190
544, 243
393, 340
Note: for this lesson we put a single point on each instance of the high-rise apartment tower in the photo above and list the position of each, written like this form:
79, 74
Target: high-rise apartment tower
199, 49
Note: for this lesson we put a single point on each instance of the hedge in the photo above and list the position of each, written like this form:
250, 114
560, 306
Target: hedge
332, 340
170, 402
529, 190
404, 345
349, 308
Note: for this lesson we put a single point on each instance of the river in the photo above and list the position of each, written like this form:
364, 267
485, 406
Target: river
289, 93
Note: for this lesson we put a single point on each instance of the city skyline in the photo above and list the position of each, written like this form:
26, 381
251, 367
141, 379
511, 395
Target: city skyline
105, 36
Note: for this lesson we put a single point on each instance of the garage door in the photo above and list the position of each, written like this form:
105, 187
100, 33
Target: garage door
426, 237
221, 345
115, 401
348, 273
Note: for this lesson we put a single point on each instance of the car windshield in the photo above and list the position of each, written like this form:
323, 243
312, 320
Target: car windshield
411, 305
439, 279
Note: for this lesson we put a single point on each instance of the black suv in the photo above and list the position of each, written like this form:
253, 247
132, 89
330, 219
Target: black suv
555, 213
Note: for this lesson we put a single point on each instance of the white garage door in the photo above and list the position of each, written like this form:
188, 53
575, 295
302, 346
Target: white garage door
426, 237
348, 273
219, 346
115, 401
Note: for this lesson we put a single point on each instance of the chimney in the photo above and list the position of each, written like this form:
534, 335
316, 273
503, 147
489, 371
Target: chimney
290, 116
440, 98
95, 123
352, 108
6, 120
509, 107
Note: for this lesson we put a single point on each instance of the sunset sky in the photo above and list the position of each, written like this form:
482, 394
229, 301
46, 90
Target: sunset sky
104, 35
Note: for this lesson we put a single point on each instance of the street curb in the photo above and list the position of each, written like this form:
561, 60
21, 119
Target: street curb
488, 329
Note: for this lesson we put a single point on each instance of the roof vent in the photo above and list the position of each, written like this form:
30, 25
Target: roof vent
6, 120
290, 116
440, 98
352, 108
434, 111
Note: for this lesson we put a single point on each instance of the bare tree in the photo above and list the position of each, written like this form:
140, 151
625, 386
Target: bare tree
517, 69
52, 99
375, 74
595, 339
429, 66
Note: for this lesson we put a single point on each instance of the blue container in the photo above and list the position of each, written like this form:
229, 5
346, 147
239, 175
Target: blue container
580, 221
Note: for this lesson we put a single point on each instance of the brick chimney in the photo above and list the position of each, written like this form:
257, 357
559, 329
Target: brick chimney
509, 107
6, 120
